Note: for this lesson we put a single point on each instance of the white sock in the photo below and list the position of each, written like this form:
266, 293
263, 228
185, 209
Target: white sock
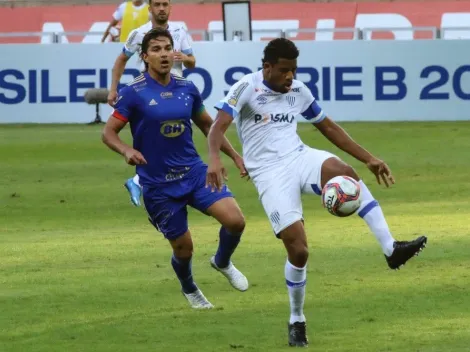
136, 180
296, 279
371, 212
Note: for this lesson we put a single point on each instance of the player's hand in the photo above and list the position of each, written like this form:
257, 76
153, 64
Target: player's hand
112, 96
178, 56
134, 157
239, 163
381, 171
216, 174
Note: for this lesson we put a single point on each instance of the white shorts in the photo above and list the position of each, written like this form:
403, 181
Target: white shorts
280, 188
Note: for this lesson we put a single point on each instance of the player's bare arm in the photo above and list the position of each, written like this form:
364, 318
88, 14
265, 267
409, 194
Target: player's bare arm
118, 70
189, 61
204, 122
216, 138
110, 137
112, 23
339, 137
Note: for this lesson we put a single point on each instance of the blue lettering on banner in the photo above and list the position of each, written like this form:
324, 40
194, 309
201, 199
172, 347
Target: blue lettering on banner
230, 73
398, 82
206, 77
443, 78
75, 85
341, 82
457, 82
17, 91
326, 83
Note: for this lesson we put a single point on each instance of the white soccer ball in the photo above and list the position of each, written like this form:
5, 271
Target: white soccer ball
341, 196
114, 34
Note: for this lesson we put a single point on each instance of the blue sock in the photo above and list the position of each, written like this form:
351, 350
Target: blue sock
183, 271
228, 242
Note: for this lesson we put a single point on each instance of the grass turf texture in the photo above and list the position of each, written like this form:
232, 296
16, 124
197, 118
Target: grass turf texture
83, 270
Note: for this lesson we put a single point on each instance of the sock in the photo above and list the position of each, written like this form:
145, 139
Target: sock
136, 180
183, 271
372, 214
228, 242
296, 279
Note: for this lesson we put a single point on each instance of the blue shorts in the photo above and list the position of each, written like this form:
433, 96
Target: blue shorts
166, 204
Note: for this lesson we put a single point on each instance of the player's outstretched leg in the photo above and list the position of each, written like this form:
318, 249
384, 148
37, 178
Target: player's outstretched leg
181, 262
134, 189
397, 253
229, 215
295, 270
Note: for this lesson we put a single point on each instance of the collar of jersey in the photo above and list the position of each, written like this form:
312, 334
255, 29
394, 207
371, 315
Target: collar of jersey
147, 76
269, 87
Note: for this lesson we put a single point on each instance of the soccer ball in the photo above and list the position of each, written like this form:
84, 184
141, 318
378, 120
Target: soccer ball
114, 34
341, 196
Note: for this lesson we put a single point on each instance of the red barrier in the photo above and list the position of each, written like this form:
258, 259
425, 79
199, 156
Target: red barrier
308, 15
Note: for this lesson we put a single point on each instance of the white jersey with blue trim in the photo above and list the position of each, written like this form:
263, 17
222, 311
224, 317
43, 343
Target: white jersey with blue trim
181, 38
266, 120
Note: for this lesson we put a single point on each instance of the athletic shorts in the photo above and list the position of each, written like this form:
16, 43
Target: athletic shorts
281, 186
166, 204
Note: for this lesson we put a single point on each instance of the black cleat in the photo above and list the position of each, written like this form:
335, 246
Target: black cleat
405, 250
298, 334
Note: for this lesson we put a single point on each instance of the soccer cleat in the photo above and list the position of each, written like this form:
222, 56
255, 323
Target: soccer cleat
134, 190
298, 334
197, 300
405, 250
234, 276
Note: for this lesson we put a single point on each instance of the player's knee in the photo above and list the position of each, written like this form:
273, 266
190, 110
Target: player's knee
298, 255
183, 247
347, 170
184, 252
235, 223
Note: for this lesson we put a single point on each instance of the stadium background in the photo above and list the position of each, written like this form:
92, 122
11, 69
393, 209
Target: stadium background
82, 270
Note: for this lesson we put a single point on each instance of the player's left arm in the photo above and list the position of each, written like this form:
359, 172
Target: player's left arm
340, 138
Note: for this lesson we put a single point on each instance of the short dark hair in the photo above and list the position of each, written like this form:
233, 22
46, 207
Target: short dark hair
154, 34
280, 48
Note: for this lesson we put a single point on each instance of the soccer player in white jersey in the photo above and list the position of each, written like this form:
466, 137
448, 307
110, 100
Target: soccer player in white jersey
183, 55
264, 105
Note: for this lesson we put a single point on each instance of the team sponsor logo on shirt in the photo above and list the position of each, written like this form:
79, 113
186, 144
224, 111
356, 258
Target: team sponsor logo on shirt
166, 95
233, 100
295, 90
172, 129
276, 118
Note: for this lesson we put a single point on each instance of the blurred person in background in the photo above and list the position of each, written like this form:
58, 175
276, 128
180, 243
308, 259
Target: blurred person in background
130, 15
183, 55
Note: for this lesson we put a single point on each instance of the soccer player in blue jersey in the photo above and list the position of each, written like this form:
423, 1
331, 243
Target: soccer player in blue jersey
159, 107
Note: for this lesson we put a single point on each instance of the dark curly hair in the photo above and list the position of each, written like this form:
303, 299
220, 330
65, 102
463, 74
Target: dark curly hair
280, 48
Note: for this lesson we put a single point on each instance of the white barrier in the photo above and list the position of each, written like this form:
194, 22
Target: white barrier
353, 80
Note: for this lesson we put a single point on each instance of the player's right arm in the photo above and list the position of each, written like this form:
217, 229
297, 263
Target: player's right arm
228, 109
129, 49
116, 122
117, 16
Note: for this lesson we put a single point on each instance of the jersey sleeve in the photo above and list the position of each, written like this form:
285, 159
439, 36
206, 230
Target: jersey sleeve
198, 105
311, 111
186, 43
125, 104
132, 43
237, 97
119, 13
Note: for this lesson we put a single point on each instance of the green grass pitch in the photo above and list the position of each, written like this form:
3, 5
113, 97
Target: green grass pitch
83, 270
